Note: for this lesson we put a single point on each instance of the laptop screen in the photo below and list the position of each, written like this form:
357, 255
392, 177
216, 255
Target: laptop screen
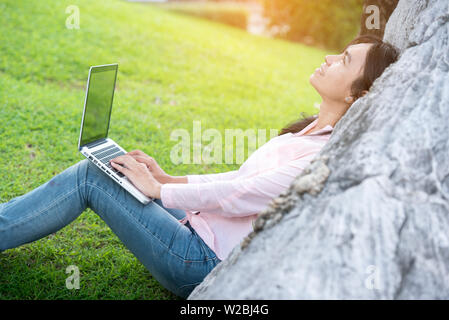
97, 109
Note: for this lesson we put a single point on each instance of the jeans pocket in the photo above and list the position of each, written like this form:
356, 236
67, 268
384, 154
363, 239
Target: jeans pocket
208, 252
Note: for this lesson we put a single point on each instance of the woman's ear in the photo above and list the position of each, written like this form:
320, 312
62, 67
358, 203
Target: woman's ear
349, 100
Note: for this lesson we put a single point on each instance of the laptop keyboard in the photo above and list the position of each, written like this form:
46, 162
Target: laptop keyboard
106, 154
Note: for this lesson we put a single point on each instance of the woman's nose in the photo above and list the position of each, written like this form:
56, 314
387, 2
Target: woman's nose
328, 60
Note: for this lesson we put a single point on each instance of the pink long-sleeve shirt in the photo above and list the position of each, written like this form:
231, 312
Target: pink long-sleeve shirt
229, 202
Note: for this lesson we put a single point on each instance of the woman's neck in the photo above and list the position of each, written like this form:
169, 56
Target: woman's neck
329, 114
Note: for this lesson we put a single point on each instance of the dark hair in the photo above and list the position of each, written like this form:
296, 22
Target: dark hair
378, 58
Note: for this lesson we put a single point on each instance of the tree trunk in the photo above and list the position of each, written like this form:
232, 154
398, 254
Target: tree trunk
369, 218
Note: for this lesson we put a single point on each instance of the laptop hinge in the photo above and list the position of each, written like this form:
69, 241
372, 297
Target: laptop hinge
95, 143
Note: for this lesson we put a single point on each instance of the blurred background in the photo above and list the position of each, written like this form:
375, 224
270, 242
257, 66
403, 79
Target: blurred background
324, 23
328, 24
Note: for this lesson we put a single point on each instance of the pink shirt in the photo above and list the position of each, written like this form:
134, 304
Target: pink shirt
229, 202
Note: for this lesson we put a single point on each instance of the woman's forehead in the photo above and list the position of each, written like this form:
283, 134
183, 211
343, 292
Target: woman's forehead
359, 47
358, 54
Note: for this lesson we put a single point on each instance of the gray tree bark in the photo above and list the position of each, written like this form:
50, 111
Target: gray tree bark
369, 218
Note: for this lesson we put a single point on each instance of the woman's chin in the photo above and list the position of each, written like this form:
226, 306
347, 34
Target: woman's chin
314, 81
312, 78
315, 74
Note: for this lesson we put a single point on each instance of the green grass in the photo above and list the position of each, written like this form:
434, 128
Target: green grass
173, 69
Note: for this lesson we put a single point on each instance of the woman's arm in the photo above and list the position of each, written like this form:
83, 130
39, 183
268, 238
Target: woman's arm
209, 177
175, 179
163, 178
233, 198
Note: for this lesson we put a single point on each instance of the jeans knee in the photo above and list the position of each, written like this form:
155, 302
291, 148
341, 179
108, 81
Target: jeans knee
3, 241
82, 168
3, 244
83, 164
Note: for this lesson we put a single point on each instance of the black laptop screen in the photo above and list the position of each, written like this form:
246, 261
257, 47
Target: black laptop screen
98, 107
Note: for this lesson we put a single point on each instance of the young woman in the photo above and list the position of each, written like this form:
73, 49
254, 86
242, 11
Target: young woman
195, 220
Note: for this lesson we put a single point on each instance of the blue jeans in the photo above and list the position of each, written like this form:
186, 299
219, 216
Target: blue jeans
173, 253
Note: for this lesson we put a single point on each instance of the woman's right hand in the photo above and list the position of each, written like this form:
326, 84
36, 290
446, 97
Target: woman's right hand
152, 165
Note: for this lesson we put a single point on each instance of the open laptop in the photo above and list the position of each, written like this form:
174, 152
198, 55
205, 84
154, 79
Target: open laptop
93, 142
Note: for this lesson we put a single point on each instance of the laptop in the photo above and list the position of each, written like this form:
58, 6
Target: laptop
93, 142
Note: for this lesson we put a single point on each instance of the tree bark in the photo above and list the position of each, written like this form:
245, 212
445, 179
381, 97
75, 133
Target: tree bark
369, 218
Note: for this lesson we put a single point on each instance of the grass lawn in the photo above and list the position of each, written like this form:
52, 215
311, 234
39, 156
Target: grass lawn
173, 70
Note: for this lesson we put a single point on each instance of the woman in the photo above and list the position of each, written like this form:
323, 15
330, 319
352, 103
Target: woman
196, 220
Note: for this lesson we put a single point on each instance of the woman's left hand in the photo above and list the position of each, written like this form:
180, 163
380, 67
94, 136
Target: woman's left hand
138, 174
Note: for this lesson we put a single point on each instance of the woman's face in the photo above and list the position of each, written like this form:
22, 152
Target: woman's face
334, 78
